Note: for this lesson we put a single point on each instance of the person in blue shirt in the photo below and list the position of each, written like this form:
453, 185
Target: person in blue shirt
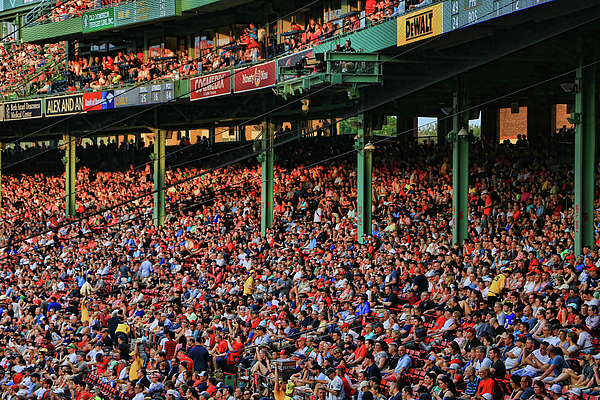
199, 356
363, 307
404, 363
509, 318
557, 366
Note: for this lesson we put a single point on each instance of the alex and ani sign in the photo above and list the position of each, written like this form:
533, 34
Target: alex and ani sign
212, 85
253, 78
420, 25
64, 105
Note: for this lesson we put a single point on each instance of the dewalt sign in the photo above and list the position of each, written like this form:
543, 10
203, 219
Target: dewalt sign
420, 25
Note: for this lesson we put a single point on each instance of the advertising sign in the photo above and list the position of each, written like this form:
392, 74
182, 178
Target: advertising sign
420, 25
126, 97
211, 85
462, 13
257, 77
98, 101
98, 20
64, 105
153, 94
23, 110
143, 10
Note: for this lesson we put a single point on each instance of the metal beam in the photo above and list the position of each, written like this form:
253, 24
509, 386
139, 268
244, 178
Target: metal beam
460, 163
158, 215
585, 150
70, 161
266, 188
364, 177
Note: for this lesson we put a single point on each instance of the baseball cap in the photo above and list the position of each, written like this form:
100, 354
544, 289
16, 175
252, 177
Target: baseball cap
556, 388
576, 392
173, 392
289, 388
487, 396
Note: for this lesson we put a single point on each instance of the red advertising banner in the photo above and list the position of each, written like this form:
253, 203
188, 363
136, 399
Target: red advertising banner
253, 78
211, 85
92, 101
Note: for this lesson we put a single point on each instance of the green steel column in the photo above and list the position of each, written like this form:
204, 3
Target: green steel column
158, 156
1, 147
585, 151
460, 164
364, 172
266, 188
70, 174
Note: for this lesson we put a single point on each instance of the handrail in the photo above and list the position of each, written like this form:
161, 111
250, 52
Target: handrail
337, 36
42, 70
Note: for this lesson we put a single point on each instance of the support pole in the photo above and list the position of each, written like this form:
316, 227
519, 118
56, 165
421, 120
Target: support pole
266, 188
1, 147
460, 164
70, 175
158, 156
364, 178
585, 113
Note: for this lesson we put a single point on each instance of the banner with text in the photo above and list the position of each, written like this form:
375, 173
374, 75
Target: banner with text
213, 85
126, 97
159, 93
23, 110
144, 10
257, 77
64, 105
420, 25
98, 20
98, 101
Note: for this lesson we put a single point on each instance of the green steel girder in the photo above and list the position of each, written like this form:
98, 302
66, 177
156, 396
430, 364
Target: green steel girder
585, 150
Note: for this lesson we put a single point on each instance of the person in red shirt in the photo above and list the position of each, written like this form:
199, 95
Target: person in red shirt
81, 392
359, 354
101, 364
487, 384
169, 346
220, 350
182, 356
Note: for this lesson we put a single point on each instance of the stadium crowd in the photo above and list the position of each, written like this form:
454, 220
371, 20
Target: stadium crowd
107, 305
24, 65
257, 43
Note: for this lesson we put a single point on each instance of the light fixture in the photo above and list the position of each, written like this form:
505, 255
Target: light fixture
571, 87
463, 133
305, 105
448, 110
370, 147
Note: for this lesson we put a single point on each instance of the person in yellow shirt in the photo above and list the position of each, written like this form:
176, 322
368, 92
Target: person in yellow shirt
497, 286
282, 390
249, 287
123, 329
136, 364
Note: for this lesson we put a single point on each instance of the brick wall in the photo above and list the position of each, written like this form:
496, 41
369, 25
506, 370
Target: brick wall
561, 116
512, 125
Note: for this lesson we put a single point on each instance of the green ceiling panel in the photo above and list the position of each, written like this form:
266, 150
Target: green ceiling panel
52, 30
370, 40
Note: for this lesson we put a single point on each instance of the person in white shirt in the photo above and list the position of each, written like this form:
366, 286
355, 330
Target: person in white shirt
335, 387
512, 355
536, 361
139, 392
